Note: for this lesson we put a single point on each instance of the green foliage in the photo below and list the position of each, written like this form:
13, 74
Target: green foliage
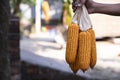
29, 2
15, 5
12, 3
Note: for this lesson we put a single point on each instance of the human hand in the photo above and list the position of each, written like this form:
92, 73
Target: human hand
79, 3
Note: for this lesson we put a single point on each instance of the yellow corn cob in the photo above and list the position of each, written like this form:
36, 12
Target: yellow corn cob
72, 43
74, 67
83, 57
93, 58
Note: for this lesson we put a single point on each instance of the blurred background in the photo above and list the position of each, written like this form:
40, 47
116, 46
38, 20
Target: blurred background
43, 28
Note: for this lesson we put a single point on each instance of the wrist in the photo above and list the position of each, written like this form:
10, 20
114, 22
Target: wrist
92, 7
95, 7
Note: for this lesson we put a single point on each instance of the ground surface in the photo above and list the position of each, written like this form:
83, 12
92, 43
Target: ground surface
42, 50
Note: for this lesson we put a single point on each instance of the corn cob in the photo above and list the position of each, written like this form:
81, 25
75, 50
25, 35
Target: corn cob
72, 43
83, 57
74, 67
93, 58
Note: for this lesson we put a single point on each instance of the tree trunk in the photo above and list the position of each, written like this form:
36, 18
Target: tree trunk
4, 55
16, 8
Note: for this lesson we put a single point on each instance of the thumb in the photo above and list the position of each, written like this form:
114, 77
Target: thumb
79, 3
82, 2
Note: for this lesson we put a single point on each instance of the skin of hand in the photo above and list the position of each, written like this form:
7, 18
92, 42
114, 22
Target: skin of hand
95, 7
79, 3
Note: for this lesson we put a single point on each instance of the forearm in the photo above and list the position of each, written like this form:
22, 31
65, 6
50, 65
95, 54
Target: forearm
111, 9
